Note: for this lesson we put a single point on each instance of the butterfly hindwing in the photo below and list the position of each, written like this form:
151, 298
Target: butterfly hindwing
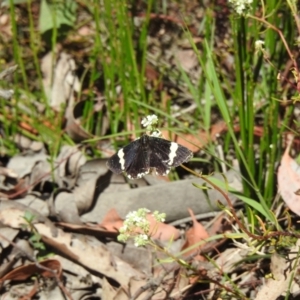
138, 167
137, 160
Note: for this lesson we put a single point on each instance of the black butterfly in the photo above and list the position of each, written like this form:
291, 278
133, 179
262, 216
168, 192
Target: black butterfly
146, 152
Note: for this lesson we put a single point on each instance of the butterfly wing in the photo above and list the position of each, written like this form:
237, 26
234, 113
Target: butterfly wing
116, 163
132, 159
165, 154
182, 154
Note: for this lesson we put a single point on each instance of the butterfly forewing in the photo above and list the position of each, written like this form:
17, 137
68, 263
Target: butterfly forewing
132, 159
165, 154
159, 155
182, 155
124, 157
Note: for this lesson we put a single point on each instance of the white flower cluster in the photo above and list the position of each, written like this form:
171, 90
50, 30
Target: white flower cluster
149, 121
240, 5
136, 222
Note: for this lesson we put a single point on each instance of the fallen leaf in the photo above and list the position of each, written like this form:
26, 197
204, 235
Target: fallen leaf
24, 272
288, 178
162, 231
281, 281
187, 59
112, 221
196, 141
194, 235
86, 251
108, 291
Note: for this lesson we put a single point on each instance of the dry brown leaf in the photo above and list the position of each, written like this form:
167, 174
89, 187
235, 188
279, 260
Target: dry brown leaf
87, 229
194, 235
7, 235
162, 231
228, 259
22, 164
61, 86
89, 252
289, 180
187, 140
68, 162
108, 292
278, 285
74, 124
5, 26
8, 172
24, 272
196, 141
187, 59
218, 225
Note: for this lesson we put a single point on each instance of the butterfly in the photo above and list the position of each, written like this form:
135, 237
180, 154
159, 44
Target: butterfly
146, 153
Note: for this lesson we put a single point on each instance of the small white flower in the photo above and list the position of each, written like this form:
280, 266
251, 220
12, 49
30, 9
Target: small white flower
130, 214
149, 120
159, 217
240, 5
259, 45
141, 240
123, 237
137, 220
124, 228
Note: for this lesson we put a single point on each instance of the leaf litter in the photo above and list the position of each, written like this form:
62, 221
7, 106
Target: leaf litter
85, 195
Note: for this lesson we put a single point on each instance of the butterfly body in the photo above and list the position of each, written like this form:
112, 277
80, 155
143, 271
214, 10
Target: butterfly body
146, 153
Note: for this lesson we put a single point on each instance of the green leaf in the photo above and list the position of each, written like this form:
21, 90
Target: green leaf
202, 186
8, 2
256, 205
56, 14
253, 203
29, 217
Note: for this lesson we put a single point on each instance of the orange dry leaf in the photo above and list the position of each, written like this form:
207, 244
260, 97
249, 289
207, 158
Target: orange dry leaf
198, 141
162, 231
194, 235
289, 180
112, 221
188, 140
